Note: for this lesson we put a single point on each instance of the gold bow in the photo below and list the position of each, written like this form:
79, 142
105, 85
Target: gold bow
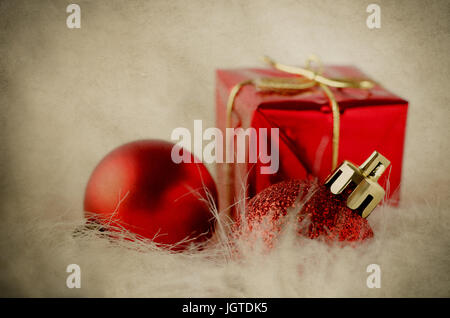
307, 79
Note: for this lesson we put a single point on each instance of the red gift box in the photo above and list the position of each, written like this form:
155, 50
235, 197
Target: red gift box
370, 119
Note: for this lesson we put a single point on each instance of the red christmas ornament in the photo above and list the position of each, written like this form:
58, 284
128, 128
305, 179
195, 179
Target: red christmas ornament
336, 210
139, 187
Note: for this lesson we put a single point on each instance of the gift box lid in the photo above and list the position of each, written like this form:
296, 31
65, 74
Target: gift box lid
310, 98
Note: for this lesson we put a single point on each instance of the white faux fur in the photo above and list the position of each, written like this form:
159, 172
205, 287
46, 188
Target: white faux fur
411, 245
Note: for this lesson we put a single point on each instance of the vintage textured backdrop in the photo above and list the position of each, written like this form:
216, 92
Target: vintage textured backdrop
138, 69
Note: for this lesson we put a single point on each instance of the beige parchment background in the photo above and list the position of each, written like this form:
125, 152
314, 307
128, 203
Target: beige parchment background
138, 69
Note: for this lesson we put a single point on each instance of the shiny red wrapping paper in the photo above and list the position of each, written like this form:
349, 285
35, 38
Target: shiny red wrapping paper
370, 120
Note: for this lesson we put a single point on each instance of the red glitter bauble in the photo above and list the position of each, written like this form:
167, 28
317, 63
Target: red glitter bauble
140, 188
319, 213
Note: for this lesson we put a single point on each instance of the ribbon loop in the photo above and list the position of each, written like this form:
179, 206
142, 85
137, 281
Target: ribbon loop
312, 58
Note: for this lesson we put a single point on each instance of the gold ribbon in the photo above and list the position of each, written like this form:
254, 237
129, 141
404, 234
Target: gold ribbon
307, 78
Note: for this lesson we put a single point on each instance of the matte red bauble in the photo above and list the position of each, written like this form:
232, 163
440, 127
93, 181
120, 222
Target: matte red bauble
140, 188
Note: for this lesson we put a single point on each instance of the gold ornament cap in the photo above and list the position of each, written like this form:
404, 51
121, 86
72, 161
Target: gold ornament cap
368, 192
